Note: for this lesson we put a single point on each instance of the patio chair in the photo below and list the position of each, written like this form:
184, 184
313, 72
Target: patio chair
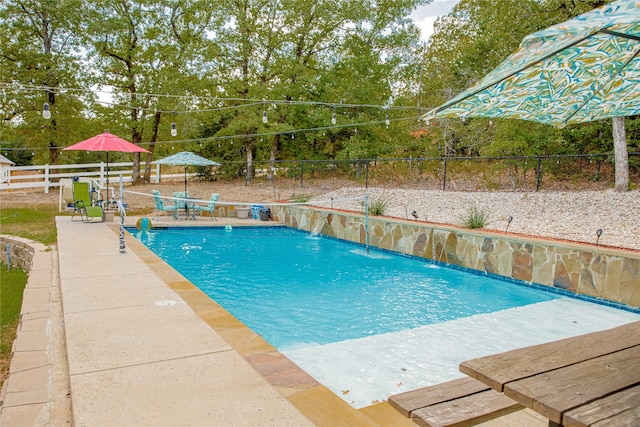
211, 207
82, 204
161, 207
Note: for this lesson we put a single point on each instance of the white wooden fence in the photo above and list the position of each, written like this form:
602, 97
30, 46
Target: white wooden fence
50, 176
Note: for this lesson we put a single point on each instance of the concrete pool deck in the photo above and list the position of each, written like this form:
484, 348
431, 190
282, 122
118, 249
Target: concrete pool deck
144, 346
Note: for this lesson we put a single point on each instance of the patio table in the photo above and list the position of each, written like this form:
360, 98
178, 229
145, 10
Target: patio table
187, 209
577, 381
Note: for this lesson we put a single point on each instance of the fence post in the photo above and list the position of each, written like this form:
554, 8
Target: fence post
46, 179
444, 175
410, 165
301, 171
158, 177
538, 173
366, 175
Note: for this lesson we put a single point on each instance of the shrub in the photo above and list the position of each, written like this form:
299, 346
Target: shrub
378, 206
475, 218
300, 198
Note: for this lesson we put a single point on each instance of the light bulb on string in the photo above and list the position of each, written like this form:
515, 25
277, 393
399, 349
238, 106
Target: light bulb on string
174, 130
46, 110
265, 119
387, 121
333, 116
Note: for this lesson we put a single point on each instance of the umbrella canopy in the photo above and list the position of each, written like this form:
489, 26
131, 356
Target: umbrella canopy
106, 142
581, 70
186, 158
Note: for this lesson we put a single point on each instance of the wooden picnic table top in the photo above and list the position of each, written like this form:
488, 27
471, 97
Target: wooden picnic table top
575, 381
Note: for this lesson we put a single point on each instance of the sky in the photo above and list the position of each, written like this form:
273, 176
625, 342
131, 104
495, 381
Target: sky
425, 16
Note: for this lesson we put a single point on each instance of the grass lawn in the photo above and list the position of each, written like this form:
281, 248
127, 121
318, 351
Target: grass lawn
31, 223
12, 285
34, 224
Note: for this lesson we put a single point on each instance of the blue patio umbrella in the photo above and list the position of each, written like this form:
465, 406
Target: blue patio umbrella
186, 158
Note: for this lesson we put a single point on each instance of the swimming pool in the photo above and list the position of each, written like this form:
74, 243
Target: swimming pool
357, 320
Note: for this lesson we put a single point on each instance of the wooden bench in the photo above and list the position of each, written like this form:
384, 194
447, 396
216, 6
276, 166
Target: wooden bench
460, 402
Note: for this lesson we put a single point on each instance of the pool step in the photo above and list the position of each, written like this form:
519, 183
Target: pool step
460, 402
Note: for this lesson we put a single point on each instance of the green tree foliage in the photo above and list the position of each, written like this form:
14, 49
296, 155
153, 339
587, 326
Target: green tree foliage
471, 41
141, 49
39, 56
214, 67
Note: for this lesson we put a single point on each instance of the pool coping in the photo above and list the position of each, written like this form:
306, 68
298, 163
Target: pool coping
311, 398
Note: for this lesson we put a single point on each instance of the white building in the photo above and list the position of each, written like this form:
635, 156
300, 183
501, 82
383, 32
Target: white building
5, 168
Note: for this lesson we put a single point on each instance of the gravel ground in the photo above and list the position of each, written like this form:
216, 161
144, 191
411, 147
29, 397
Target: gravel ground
572, 216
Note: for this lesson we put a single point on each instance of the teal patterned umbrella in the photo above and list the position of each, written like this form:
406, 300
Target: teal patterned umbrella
186, 158
581, 70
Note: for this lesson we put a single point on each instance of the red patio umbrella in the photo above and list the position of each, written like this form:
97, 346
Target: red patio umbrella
107, 142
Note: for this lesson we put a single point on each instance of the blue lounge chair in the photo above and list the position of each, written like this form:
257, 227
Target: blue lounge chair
162, 207
211, 207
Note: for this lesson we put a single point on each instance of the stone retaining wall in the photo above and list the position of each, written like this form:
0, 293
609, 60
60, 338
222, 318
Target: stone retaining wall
21, 252
599, 272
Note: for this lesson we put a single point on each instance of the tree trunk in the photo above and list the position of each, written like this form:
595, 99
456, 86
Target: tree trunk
272, 158
249, 176
621, 155
152, 146
136, 138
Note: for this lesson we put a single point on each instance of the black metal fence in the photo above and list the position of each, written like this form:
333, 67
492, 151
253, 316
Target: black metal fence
532, 173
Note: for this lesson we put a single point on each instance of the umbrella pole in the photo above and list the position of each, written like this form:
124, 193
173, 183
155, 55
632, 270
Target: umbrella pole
122, 215
107, 192
185, 180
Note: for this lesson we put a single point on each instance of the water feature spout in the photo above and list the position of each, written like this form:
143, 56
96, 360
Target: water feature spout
598, 234
508, 223
366, 219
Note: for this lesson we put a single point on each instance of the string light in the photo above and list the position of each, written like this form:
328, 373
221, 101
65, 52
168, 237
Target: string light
387, 121
252, 135
46, 111
333, 116
174, 129
265, 119
190, 99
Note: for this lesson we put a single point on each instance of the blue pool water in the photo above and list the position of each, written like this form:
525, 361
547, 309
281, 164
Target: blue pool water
368, 325
294, 288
